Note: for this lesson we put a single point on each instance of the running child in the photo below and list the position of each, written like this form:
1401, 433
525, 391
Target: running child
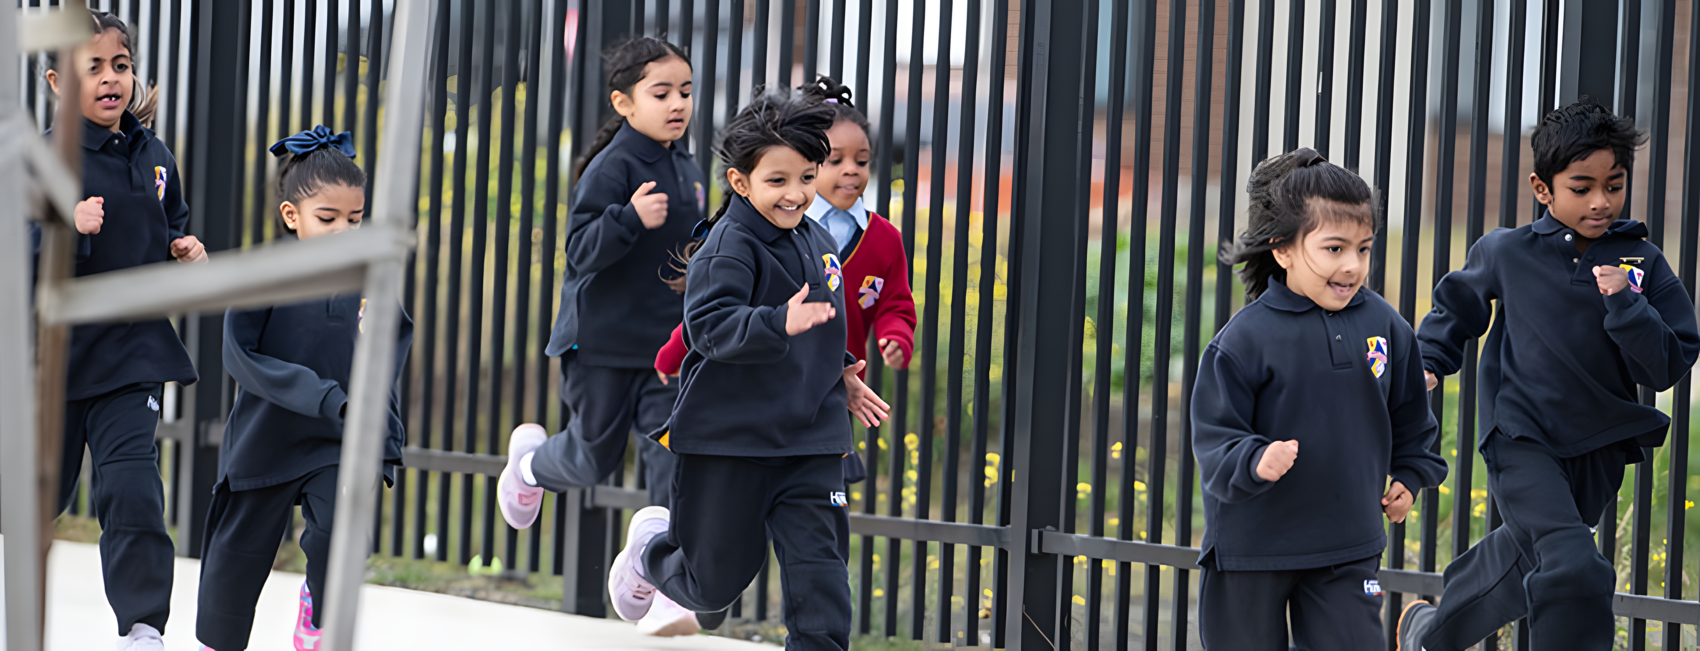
639, 197
1314, 358
133, 215
758, 427
283, 442
1587, 309
870, 247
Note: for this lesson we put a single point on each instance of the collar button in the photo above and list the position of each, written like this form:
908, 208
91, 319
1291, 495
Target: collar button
1567, 237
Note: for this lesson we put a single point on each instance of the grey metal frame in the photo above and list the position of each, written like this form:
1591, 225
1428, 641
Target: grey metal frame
371, 259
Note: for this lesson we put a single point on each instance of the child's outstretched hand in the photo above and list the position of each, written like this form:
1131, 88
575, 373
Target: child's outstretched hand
651, 208
90, 214
1277, 459
1611, 279
1397, 502
892, 353
864, 404
188, 249
800, 316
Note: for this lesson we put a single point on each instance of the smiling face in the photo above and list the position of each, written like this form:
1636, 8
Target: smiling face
1585, 196
108, 78
844, 176
1328, 265
659, 105
333, 209
780, 187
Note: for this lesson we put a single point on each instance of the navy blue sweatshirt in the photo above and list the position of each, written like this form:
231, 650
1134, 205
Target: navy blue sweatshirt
615, 308
145, 213
748, 389
1561, 363
292, 364
1348, 386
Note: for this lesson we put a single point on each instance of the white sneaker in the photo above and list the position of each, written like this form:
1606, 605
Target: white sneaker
141, 638
631, 593
667, 618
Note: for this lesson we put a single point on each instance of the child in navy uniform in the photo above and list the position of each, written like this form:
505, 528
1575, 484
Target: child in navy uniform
1316, 359
759, 426
134, 215
283, 442
1587, 310
639, 195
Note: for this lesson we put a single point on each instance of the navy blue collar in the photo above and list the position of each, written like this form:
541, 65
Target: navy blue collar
96, 136
1279, 297
644, 147
1548, 224
745, 214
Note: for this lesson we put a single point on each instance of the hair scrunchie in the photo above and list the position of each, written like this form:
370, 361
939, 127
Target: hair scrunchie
314, 139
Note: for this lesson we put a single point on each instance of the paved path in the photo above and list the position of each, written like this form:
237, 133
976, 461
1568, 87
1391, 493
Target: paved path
390, 618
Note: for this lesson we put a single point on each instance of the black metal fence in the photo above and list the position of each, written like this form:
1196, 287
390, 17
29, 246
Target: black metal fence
1061, 171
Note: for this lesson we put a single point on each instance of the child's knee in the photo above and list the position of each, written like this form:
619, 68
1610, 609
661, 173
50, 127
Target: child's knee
1569, 566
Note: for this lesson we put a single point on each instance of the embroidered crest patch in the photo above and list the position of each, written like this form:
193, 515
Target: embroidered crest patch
1635, 277
702, 198
159, 182
870, 291
834, 272
1378, 355
360, 318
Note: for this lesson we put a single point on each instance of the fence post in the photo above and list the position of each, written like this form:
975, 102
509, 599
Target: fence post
214, 182
587, 528
1587, 63
1051, 222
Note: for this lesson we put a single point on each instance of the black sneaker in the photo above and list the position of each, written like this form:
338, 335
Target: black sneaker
1414, 623
712, 621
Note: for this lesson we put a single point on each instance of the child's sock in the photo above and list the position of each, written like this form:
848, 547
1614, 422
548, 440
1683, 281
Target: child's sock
525, 469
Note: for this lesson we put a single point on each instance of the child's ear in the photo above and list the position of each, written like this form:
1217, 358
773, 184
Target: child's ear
1543, 192
291, 215
623, 103
739, 181
1283, 256
52, 77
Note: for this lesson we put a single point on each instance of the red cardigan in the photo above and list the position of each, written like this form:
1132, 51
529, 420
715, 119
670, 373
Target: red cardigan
877, 275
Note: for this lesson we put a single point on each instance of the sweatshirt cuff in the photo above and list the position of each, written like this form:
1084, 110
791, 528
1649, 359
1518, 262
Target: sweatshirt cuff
331, 407
1256, 458
776, 321
629, 220
1623, 300
1410, 481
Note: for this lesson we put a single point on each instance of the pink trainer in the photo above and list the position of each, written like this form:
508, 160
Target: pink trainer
520, 502
631, 592
306, 635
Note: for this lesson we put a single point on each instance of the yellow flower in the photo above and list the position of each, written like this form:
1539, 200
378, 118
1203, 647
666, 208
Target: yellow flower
1084, 488
1139, 486
1445, 491
856, 495
1079, 600
1116, 450
878, 592
1687, 504
911, 441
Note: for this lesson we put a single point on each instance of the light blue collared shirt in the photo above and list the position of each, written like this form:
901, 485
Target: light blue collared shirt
841, 224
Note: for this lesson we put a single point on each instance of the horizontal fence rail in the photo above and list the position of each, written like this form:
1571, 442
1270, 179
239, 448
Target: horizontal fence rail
1089, 154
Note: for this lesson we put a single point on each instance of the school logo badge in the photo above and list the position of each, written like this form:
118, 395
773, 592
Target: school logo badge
838, 499
1372, 587
1635, 277
153, 404
360, 318
702, 198
159, 182
1378, 355
834, 272
870, 291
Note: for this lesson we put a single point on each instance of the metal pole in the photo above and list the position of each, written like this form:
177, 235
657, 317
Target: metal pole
374, 354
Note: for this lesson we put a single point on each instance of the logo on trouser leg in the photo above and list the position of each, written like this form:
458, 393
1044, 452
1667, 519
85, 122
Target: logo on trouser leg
1372, 588
153, 404
838, 499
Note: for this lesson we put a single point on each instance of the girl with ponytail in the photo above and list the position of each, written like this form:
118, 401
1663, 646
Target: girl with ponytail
1314, 358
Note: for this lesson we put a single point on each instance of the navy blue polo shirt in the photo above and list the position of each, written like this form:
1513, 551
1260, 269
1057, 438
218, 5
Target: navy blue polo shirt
1348, 386
1561, 362
747, 388
137, 176
292, 365
616, 308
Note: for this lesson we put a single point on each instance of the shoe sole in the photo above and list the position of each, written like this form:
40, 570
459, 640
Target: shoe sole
1398, 632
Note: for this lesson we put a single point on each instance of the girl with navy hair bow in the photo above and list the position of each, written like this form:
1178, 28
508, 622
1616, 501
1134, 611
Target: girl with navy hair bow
283, 441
